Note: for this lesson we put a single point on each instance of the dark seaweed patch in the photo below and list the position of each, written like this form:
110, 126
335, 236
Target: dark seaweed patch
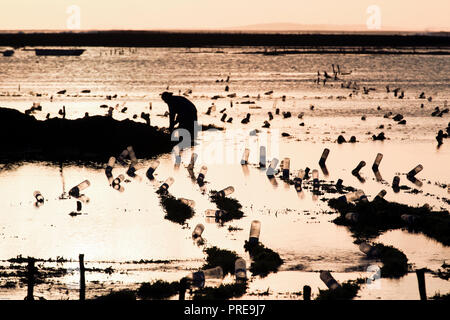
219, 257
223, 292
176, 210
230, 205
346, 291
380, 215
265, 260
158, 290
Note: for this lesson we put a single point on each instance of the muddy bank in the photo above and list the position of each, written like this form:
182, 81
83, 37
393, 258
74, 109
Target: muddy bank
89, 139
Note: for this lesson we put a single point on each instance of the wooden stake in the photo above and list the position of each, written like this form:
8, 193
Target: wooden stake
306, 293
30, 279
421, 280
82, 279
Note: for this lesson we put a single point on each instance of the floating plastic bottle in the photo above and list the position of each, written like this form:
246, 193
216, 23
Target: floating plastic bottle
306, 173
369, 250
298, 180
377, 161
38, 196
176, 152
339, 184
361, 196
315, 176
198, 278
197, 233
165, 186
358, 168
415, 171
201, 176
217, 214
133, 168
83, 198
352, 216
380, 195
75, 191
226, 192
245, 156
262, 157
255, 230
131, 154
117, 181
109, 168
328, 279
349, 197
79, 206
271, 170
194, 157
395, 183
324, 157
286, 167
240, 270
188, 202
122, 157
153, 166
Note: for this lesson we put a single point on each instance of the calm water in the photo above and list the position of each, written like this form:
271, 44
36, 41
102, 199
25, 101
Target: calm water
122, 227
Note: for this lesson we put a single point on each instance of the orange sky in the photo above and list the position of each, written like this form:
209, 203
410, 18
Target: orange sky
205, 14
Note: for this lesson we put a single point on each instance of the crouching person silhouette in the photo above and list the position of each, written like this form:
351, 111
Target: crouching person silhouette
184, 113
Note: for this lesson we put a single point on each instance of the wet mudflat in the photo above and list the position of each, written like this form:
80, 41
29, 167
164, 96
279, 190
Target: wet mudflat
125, 236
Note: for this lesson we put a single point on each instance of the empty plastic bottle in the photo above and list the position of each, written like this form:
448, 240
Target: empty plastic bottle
315, 176
240, 270
123, 156
380, 195
377, 161
262, 157
218, 214
194, 157
176, 152
198, 278
165, 186
324, 157
286, 165
328, 279
226, 192
131, 154
358, 168
133, 168
395, 183
201, 176
75, 191
188, 202
352, 216
298, 180
415, 171
109, 168
349, 197
245, 156
197, 233
153, 166
368, 250
271, 170
38, 196
361, 196
255, 230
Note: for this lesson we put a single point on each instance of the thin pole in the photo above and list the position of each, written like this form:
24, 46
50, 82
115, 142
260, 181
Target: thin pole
82, 279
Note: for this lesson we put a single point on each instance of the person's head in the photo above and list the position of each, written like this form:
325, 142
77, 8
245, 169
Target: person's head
166, 96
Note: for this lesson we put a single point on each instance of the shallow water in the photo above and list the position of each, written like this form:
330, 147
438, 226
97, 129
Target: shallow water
122, 227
